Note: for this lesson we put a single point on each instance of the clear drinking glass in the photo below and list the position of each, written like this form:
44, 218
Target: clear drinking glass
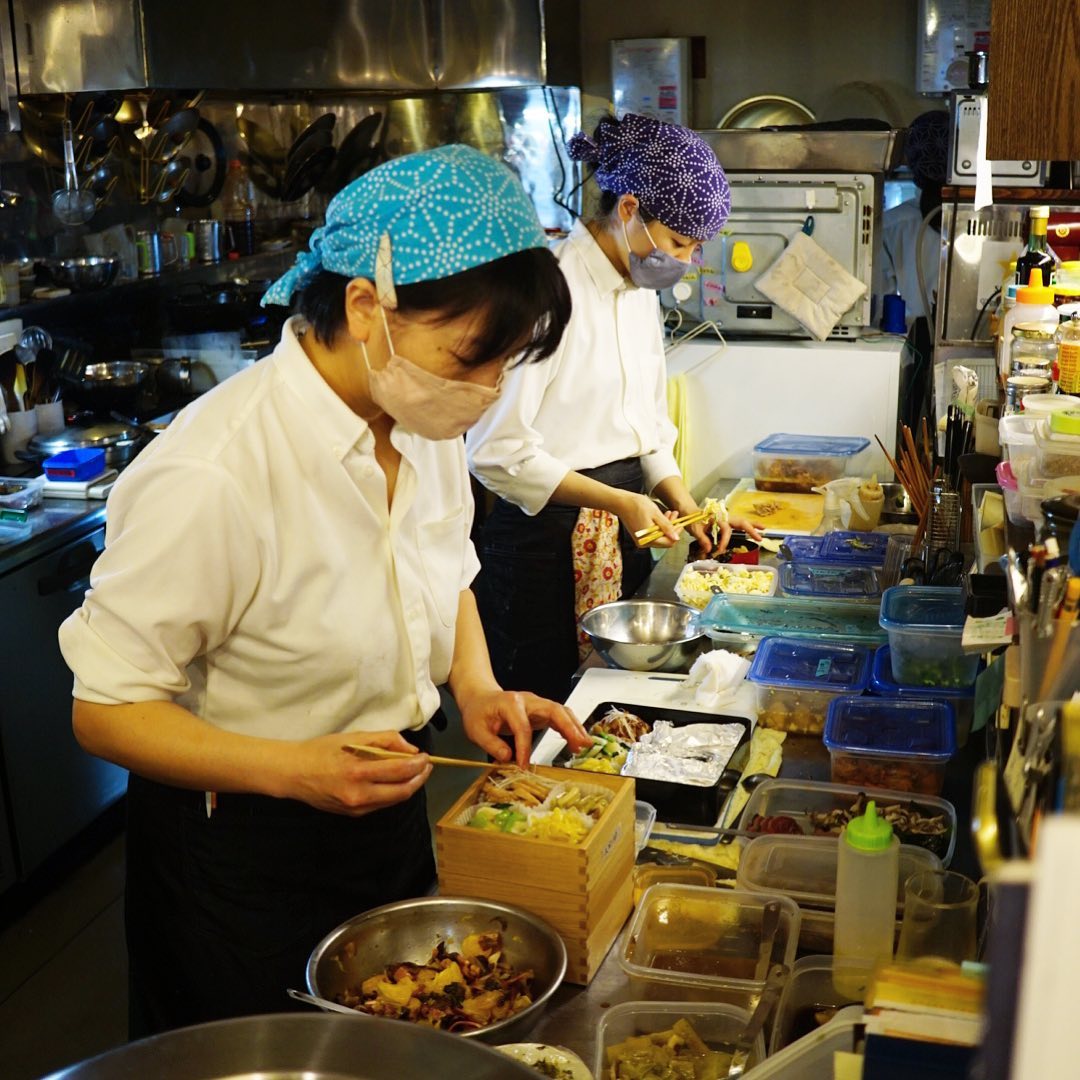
940, 910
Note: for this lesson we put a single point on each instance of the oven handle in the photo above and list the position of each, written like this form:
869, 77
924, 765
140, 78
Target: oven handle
73, 571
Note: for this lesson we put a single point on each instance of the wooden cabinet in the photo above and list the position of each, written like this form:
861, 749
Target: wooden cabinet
1034, 111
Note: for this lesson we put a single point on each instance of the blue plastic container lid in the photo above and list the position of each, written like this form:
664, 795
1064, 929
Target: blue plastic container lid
823, 445
924, 608
802, 548
911, 727
865, 548
809, 665
804, 617
83, 463
850, 580
882, 682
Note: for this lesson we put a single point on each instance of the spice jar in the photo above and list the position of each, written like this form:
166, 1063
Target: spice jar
1017, 387
1033, 349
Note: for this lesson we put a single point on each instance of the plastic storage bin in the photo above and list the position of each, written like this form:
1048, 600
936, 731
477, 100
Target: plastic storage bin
832, 580
961, 698
644, 819
898, 743
794, 681
1056, 455
19, 494
1017, 435
785, 462
648, 874
800, 801
808, 993
811, 1057
925, 624
698, 581
81, 464
792, 616
689, 943
715, 1023
862, 548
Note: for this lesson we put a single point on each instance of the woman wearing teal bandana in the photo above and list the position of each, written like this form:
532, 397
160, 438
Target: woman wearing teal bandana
287, 573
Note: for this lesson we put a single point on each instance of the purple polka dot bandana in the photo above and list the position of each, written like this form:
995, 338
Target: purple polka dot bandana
672, 171
926, 147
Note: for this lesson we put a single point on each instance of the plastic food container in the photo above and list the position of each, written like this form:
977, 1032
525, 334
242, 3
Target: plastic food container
925, 624
19, 494
689, 943
12, 532
803, 868
649, 874
1038, 405
698, 581
83, 463
785, 462
898, 743
840, 580
1017, 436
802, 801
1010, 489
809, 998
793, 616
802, 548
811, 1057
862, 548
961, 698
715, 1023
644, 819
1056, 455
794, 681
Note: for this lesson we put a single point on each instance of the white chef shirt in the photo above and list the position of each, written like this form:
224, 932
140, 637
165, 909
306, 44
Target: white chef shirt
896, 269
254, 573
600, 398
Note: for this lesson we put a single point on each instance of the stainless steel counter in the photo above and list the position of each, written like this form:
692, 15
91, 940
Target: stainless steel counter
53, 522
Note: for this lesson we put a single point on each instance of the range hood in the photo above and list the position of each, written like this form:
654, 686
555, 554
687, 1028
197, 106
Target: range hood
338, 46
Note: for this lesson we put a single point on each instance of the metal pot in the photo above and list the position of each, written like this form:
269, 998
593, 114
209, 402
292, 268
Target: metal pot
121, 442
315, 1047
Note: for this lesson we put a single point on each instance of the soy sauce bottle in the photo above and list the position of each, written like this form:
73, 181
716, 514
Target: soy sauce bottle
1037, 255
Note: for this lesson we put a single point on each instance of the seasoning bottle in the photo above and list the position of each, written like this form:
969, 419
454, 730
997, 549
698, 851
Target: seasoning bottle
1037, 255
239, 212
1068, 355
1034, 303
867, 881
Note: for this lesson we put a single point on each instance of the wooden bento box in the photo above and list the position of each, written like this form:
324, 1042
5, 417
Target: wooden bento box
584, 890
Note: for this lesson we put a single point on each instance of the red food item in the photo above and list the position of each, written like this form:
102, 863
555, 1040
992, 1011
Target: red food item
779, 823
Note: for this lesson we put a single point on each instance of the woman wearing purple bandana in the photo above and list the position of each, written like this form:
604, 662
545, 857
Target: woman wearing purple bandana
578, 452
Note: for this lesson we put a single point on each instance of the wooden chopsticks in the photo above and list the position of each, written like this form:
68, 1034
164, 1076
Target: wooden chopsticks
915, 471
379, 752
644, 537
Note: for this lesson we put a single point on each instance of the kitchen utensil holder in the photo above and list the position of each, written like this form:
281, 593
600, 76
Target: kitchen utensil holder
943, 521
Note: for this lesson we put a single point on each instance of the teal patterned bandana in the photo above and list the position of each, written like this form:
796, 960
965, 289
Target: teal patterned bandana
417, 218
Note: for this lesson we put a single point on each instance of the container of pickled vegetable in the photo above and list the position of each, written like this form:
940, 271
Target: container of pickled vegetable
670, 1038
785, 462
898, 743
794, 681
925, 624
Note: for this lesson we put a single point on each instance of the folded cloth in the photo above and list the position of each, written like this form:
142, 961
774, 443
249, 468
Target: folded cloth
715, 677
810, 285
597, 560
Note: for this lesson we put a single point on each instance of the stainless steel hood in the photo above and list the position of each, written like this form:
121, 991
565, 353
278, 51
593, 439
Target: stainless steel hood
68, 46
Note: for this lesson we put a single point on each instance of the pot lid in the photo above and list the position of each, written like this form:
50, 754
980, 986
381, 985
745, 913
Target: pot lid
98, 434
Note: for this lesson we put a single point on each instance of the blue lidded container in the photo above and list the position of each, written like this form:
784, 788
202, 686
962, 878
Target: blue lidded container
785, 462
802, 548
902, 744
794, 681
863, 548
830, 579
925, 624
83, 463
962, 699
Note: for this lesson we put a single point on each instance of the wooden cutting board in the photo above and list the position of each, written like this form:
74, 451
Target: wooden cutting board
778, 511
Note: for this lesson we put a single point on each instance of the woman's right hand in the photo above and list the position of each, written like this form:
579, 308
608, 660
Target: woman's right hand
638, 512
330, 778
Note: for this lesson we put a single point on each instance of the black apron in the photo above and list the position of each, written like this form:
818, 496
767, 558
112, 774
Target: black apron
222, 912
525, 588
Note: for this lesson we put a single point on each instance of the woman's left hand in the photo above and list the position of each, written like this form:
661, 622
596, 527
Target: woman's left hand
518, 713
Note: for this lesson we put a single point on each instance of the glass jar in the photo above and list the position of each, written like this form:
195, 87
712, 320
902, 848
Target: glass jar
1017, 387
1033, 349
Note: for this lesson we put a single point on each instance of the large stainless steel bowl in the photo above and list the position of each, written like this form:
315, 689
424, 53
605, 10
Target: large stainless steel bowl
294, 1047
644, 635
86, 273
410, 929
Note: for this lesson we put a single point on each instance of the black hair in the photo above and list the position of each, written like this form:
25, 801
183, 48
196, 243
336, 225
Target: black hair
609, 200
523, 299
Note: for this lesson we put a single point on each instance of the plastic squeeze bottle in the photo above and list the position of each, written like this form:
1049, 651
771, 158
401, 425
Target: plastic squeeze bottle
867, 881
1034, 303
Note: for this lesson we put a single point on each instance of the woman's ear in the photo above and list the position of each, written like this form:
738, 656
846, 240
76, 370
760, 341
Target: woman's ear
627, 207
361, 305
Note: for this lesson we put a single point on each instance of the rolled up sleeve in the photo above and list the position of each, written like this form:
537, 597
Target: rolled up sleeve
180, 565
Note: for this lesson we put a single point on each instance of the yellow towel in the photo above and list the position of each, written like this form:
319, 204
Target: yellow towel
680, 417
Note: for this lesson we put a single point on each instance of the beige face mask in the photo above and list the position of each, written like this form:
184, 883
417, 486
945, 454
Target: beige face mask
425, 404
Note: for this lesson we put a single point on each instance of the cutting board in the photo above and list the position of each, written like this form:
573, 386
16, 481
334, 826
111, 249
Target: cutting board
778, 511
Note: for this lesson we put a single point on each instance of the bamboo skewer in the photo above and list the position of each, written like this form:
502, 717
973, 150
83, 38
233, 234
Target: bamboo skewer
380, 752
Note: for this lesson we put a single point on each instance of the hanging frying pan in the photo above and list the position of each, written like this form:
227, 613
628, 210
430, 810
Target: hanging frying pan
354, 156
303, 174
266, 180
318, 133
204, 157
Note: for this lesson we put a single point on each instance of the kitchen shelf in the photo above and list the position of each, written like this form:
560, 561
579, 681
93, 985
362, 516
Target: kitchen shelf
1039, 196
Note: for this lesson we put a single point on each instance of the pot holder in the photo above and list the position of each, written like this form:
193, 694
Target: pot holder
810, 285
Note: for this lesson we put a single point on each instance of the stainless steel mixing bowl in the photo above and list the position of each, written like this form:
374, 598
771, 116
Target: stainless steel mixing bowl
84, 274
409, 931
644, 635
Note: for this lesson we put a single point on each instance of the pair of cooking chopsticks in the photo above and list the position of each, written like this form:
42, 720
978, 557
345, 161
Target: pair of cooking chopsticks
379, 752
644, 537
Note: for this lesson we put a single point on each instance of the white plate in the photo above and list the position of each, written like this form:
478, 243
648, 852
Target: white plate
555, 1057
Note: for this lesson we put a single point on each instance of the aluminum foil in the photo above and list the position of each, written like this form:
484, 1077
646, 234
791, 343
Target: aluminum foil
694, 754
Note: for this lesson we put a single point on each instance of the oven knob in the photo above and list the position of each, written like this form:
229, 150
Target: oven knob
742, 258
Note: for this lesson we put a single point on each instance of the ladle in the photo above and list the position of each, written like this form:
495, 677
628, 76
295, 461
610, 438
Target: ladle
323, 1003
72, 206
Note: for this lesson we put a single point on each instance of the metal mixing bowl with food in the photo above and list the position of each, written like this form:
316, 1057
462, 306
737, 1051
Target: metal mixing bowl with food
86, 273
644, 635
406, 934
